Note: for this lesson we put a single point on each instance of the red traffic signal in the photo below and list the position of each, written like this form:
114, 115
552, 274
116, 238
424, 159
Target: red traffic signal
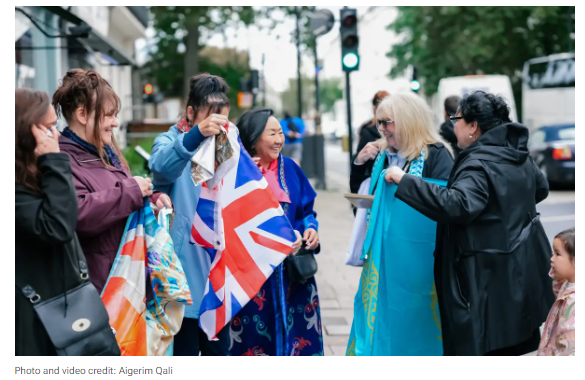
148, 89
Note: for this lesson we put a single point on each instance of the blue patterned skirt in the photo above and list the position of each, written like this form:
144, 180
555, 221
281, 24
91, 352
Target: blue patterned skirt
282, 320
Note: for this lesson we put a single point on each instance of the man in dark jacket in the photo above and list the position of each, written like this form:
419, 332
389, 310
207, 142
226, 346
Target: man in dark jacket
492, 255
446, 129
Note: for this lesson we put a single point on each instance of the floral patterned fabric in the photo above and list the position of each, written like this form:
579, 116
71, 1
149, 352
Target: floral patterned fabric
284, 318
558, 338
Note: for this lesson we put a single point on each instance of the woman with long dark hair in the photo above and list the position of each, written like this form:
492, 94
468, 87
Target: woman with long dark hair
492, 255
206, 111
48, 254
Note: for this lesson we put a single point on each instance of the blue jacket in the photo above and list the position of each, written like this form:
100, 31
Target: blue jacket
170, 165
299, 123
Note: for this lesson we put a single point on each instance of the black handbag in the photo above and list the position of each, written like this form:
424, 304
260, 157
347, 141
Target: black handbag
302, 266
76, 321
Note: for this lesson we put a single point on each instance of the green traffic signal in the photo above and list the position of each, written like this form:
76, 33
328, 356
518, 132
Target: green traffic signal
415, 85
350, 60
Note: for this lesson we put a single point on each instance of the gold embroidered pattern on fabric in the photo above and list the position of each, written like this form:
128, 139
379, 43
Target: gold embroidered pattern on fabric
351, 349
369, 286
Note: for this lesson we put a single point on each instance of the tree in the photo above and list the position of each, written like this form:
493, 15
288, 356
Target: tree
451, 41
182, 31
329, 92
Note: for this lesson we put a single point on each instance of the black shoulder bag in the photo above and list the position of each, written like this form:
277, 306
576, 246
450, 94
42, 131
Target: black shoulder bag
302, 266
76, 321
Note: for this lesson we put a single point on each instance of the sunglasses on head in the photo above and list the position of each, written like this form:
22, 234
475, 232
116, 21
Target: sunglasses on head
455, 118
384, 123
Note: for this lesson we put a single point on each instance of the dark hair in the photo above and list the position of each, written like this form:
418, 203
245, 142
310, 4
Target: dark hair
207, 91
380, 95
568, 238
31, 106
488, 110
451, 104
287, 115
251, 126
88, 89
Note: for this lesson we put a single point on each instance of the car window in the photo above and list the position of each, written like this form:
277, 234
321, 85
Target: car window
567, 134
538, 137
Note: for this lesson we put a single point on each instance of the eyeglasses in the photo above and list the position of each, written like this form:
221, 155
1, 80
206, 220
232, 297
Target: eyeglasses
455, 118
384, 123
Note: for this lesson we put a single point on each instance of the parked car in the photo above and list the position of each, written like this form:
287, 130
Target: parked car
553, 150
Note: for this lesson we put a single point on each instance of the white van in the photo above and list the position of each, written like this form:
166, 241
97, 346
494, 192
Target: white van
548, 91
495, 84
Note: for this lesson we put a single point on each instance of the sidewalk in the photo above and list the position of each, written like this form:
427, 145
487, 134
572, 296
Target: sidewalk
337, 283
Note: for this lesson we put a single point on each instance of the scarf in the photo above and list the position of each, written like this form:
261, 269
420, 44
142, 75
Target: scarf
183, 126
271, 177
111, 156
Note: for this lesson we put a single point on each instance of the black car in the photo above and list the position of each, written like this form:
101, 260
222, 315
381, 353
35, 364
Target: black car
553, 150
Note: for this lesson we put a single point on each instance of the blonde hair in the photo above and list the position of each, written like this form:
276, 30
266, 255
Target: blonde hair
414, 123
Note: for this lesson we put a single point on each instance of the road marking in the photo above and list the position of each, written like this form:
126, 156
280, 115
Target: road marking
558, 218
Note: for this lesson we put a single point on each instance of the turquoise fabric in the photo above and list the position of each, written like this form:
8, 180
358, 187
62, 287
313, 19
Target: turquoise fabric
396, 311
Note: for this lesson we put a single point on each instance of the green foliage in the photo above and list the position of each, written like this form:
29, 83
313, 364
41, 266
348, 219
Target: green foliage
329, 92
450, 41
167, 65
135, 161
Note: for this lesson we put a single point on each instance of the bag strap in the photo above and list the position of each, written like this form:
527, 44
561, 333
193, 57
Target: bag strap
29, 292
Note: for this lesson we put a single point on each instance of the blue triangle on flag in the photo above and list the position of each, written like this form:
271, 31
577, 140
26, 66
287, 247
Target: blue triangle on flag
235, 306
210, 301
247, 169
279, 226
212, 252
273, 267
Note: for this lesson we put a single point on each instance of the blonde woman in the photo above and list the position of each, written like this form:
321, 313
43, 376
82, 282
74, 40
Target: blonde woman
395, 309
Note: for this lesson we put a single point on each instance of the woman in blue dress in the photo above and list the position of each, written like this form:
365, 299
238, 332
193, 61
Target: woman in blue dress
395, 308
284, 317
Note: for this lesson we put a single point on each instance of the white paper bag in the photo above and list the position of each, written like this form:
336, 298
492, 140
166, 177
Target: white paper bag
356, 243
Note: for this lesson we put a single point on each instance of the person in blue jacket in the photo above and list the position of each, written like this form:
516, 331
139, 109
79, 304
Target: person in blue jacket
293, 129
207, 111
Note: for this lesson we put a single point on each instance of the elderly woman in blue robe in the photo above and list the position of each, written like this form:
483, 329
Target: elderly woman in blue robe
284, 317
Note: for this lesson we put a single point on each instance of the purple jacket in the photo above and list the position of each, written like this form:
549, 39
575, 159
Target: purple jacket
105, 198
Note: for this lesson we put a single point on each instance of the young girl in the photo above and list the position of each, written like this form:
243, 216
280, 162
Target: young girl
558, 338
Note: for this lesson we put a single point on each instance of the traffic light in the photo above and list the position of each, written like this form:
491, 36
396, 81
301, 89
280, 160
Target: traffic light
350, 58
414, 83
150, 96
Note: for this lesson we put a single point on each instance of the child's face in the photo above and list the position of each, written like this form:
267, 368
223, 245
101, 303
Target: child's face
561, 263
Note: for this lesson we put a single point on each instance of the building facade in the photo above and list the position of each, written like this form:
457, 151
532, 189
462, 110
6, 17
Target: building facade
49, 41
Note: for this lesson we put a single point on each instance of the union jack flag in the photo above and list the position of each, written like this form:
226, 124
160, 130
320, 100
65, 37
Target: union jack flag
242, 226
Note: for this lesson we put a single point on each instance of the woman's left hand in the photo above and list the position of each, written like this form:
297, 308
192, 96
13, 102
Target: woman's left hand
312, 238
297, 244
163, 201
394, 175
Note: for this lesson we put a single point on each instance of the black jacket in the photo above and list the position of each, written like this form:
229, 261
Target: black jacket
438, 165
492, 255
368, 133
47, 250
447, 131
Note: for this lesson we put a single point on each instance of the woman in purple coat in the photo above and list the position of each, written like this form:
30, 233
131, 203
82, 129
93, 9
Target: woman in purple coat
106, 192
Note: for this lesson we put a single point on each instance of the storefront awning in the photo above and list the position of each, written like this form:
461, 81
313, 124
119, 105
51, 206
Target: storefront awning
95, 40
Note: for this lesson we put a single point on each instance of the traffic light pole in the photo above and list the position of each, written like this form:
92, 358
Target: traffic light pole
349, 129
298, 38
320, 184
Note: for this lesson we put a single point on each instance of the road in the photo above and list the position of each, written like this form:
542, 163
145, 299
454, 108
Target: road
337, 282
